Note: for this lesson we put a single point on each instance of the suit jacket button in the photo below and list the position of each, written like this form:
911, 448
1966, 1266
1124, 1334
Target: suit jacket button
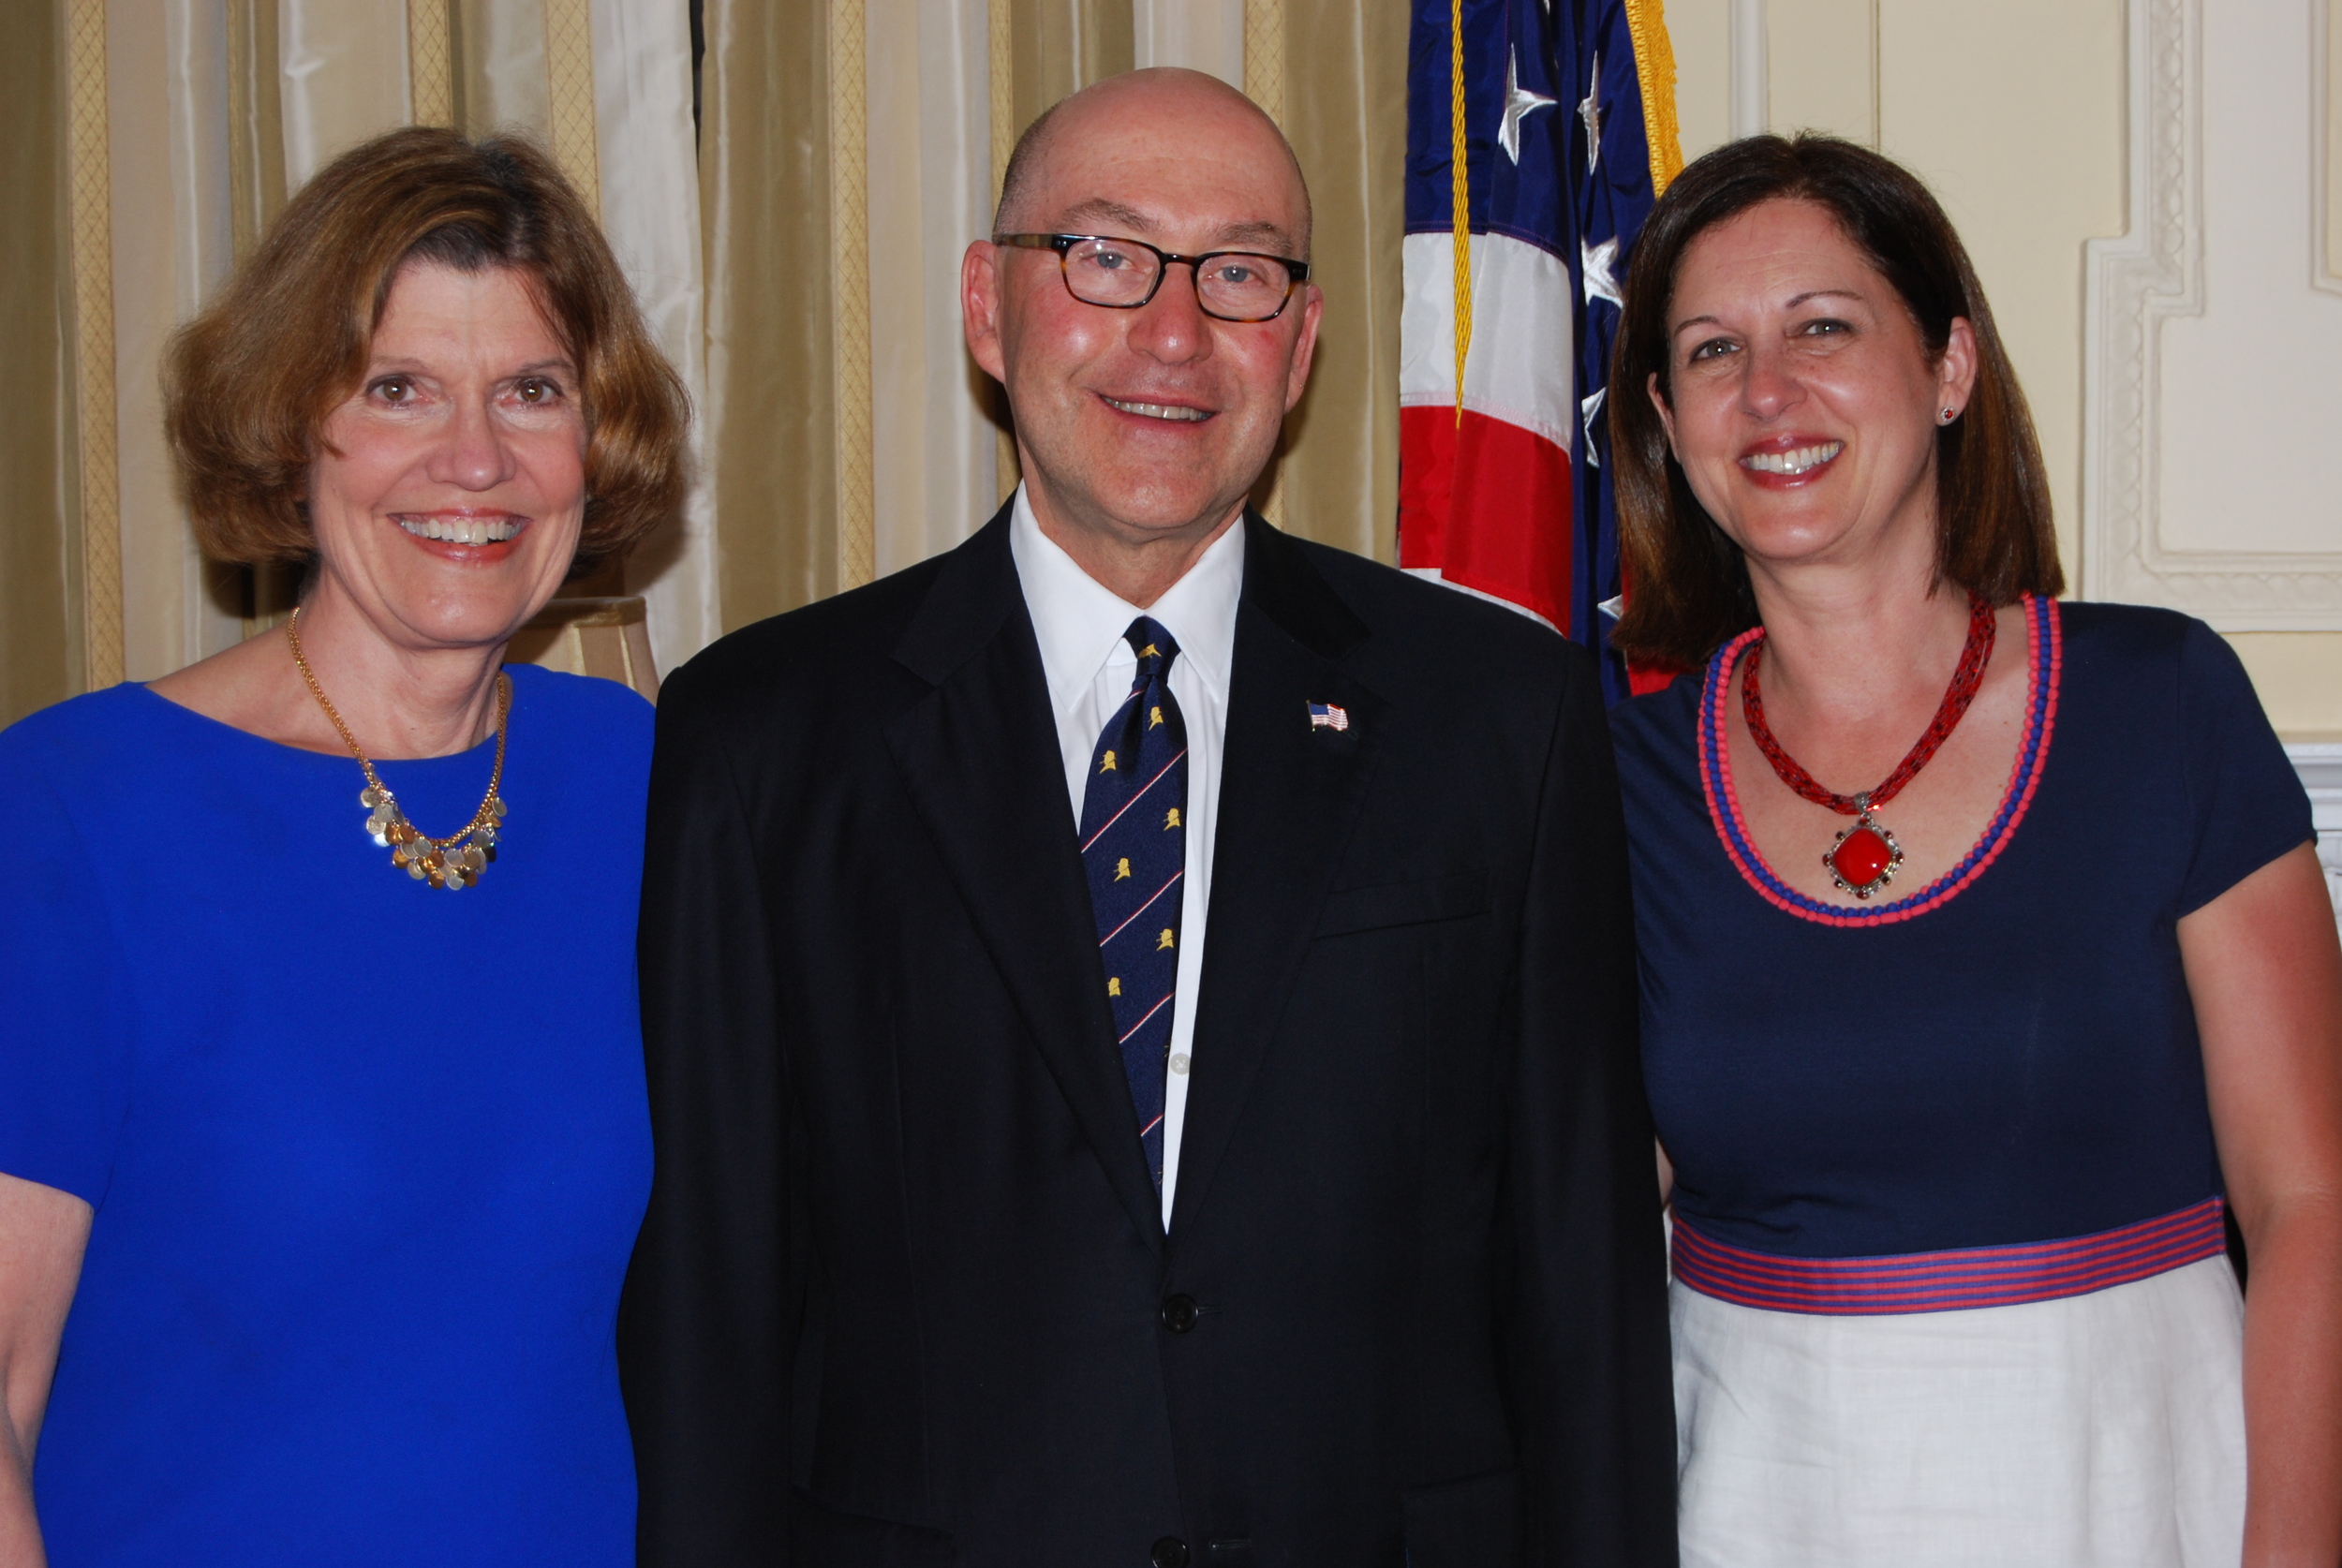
1178, 1315
1170, 1552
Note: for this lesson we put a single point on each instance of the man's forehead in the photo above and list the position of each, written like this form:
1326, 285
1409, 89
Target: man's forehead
1148, 221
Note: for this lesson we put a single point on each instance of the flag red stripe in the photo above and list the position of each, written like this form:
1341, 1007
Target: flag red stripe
1486, 506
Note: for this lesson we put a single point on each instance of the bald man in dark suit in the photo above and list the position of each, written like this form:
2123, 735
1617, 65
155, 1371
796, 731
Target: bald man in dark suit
1140, 1008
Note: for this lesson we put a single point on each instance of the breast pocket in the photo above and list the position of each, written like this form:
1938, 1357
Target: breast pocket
1458, 895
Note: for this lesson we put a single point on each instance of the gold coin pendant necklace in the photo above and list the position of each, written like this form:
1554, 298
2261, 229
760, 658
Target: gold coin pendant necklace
453, 862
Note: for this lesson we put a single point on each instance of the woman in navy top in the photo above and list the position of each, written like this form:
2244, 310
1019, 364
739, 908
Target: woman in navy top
1986, 958
321, 1104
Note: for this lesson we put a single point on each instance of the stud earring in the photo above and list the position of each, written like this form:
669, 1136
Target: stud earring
1948, 417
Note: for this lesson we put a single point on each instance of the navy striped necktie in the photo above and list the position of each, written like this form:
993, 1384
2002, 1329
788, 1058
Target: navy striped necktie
1134, 850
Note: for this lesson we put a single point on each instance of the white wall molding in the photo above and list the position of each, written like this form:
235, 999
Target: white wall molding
2322, 151
2321, 767
1752, 97
2148, 439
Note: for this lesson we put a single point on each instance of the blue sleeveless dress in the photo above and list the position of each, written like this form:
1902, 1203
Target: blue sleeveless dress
1947, 1246
366, 1159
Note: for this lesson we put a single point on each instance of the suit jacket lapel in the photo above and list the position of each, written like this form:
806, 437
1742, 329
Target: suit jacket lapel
979, 756
1289, 795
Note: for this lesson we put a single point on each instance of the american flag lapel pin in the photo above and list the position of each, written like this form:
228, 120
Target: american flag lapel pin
1326, 715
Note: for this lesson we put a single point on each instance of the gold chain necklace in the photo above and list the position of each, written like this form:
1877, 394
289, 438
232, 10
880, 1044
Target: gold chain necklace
452, 862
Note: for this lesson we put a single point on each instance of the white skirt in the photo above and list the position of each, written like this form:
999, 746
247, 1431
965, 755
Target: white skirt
2104, 1430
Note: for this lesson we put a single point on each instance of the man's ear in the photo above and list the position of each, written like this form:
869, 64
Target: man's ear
979, 307
1305, 349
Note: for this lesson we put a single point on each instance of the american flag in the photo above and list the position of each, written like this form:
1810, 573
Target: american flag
1560, 115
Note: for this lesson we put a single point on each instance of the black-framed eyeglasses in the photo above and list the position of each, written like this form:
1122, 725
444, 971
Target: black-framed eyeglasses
1123, 274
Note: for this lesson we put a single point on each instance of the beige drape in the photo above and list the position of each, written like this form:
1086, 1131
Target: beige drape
1345, 112
1058, 47
39, 591
765, 174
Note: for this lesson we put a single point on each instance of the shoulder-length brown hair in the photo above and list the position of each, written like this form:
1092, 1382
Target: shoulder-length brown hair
1688, 585
248, 384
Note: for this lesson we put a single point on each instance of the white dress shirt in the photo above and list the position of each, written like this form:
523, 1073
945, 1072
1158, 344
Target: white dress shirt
1079, 623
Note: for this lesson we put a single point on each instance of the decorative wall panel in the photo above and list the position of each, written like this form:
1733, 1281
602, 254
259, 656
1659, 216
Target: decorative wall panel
2212, 327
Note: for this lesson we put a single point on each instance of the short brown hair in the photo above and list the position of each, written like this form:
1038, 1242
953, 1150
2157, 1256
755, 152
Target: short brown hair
248, 383
1688, 588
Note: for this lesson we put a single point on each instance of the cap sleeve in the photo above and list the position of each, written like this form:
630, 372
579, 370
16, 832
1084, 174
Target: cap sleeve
2247, 803
64, 1040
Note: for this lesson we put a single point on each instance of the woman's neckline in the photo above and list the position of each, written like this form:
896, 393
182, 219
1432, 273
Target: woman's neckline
2043, 670
221, 726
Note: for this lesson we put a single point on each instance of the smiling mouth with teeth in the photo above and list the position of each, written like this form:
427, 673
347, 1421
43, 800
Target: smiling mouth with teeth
463, 530
1158, 410
1802, 460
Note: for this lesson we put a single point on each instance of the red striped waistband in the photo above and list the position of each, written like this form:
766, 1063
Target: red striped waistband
1948, 1281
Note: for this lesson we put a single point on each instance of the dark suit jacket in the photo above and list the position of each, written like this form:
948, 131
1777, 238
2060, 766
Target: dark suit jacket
903, 1295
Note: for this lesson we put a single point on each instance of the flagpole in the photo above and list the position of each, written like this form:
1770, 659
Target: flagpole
1460, 181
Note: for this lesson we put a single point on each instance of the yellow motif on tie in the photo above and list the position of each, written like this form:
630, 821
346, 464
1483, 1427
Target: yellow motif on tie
1172, 820
1164, 941
1154, 716
1106, 763
1150, 651
1121, 870
1114, 986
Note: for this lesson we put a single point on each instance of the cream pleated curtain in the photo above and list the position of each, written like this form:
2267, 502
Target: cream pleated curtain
793, 233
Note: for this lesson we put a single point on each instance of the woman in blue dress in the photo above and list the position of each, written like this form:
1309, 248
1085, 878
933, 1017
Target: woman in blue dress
1986, 958
322, 1105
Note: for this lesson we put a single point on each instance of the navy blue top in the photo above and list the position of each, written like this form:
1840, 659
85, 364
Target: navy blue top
367, 1159
2006, 1056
